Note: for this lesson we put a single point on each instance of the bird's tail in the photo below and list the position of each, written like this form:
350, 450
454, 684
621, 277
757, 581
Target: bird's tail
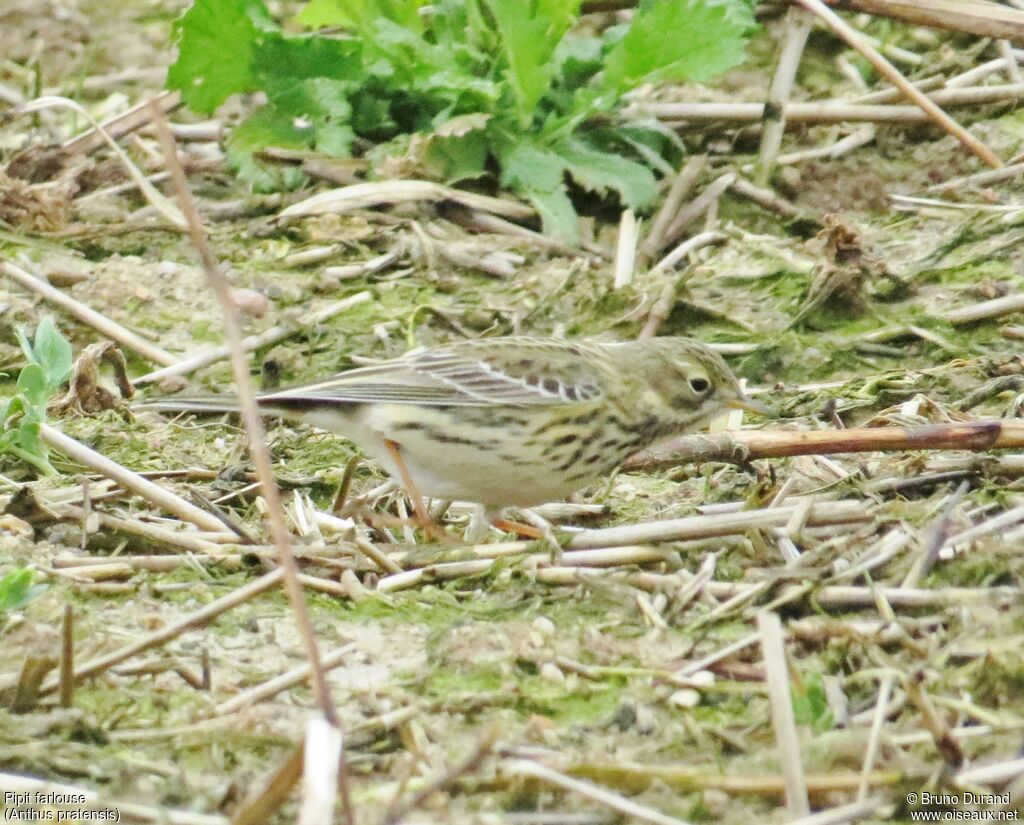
200, 404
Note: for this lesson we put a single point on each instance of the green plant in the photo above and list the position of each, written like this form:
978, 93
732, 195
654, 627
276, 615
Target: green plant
17, 589
505, 86
21, 415
810, 704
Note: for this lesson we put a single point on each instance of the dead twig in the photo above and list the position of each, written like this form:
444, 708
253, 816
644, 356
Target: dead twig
258, 447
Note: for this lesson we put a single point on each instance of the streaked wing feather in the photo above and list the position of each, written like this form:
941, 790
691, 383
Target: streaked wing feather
447, 378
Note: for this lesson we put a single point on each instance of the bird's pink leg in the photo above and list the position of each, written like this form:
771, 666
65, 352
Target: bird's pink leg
423, 518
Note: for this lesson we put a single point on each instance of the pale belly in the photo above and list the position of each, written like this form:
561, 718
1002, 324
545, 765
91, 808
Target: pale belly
497, 466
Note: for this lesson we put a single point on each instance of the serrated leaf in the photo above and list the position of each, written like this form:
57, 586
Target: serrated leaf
557, 214
527, 167
530, 31
678, 40
216, 41
361, 13
53, 353
602, 172
457, 157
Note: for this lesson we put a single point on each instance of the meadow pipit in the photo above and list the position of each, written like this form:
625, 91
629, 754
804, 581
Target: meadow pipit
510, 421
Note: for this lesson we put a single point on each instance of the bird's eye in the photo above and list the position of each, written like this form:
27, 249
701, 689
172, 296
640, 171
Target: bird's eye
700, 385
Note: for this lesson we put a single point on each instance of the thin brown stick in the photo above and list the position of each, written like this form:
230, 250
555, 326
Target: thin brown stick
746, 445
257, 809
87, 315
67, 658
257, 440
854, 39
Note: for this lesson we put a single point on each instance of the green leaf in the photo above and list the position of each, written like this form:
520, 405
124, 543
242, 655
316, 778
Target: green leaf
362, 13
811, 707
557, 214
53, 353
526, 166
530, 32
216, 43
30, 441
458, 150
601, 172
267, 127
32, 384
17, 589
678, 40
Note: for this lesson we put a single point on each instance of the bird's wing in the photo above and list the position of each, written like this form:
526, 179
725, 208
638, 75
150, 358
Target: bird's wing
455, 376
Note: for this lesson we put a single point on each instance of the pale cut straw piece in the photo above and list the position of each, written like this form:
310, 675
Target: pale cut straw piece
783, 720
881, 708
154, 493
252, 342
990, 774
87, 315
364, 195
843, 814
93, 801
688, 246
855, 40
288, 679
323, 757
523, 767
625, 253
163, 205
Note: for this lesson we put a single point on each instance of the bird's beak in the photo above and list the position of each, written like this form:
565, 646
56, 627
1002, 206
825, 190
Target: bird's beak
744, 402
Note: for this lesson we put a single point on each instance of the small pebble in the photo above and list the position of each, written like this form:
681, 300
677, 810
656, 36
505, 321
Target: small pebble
250, 302
703, 678
544, 626
685, 698
552, 672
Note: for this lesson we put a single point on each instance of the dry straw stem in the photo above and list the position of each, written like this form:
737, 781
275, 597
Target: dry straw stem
280, 683
697, 207
980, 17
843, 814
986, 310
783, 721
324, 750
257, 445
604, 796
625, 253
828, 111
87, 315
853, 38
797, 28
363, 195
999, 773
634, 777
258, 341
680, 189
130, 811
154, 493
746, 445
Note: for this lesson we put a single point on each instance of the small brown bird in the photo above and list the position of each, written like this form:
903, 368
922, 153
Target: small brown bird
510, 421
